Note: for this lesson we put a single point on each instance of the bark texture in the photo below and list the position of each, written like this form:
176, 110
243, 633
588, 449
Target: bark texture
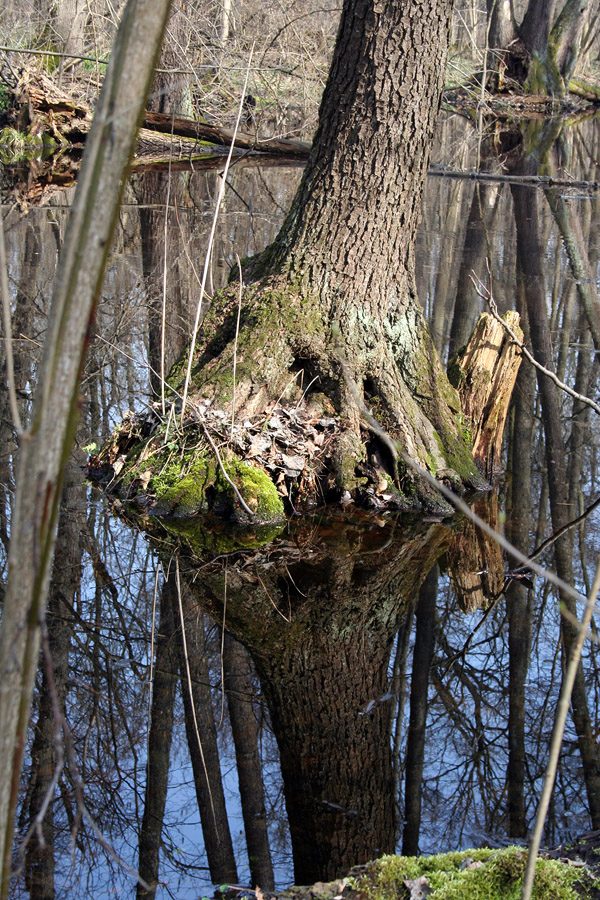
334, 297
320, 633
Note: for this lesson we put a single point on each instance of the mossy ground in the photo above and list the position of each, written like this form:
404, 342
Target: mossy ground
495, 875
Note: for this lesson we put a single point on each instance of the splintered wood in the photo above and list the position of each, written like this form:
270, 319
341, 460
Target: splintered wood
485, 374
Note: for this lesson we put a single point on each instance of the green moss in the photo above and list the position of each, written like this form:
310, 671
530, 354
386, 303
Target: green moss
196, 485
498, 878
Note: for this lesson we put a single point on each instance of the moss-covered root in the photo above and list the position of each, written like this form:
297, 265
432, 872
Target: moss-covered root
474, 874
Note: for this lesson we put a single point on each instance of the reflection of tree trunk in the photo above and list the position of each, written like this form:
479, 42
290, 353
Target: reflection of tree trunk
66, 578
415, 744
445, 277
154, 191
482, 213
519, 617
583, 274
165, 340
159, 741
202, 743
244, 728
529, 259
323, 665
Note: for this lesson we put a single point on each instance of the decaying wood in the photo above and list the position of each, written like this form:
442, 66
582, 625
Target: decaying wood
484, 374
43, 108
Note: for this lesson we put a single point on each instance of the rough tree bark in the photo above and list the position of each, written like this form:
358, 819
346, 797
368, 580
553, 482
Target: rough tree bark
331, 306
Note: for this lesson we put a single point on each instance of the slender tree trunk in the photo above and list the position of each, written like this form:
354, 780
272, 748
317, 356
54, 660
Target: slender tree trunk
159, 741
45, 447
419, 686
244, 727
519, 615
202, 741
64, 586
529, 259
480, 223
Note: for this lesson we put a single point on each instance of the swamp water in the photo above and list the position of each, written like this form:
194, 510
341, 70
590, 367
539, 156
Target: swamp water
378, 684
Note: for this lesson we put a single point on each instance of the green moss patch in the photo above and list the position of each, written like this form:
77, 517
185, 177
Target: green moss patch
476, 875
201, 487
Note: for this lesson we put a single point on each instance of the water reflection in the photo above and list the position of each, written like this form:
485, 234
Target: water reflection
348, 690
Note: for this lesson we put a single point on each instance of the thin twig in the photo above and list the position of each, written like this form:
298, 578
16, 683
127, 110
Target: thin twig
223, 620
557, 737
485, 294
163, 323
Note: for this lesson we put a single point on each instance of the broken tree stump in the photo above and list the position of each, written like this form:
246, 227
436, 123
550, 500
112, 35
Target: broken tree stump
484, 373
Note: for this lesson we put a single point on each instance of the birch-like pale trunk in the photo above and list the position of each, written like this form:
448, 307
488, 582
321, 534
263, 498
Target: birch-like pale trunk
46, 444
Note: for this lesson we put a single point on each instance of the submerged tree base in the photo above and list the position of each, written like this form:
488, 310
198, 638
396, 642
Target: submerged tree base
283, 447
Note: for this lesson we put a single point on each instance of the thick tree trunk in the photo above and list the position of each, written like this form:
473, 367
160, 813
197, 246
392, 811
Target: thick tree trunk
334, 297
320, 633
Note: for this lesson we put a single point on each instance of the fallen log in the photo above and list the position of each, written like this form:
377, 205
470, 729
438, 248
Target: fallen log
215, 134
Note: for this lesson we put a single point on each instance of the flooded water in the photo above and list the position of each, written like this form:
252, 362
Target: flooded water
281, 712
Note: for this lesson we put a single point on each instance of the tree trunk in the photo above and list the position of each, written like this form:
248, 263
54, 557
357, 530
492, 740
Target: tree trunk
244, 728
315, 302
519, 615
529, 259
320, 633
65, 583
159, 743
419, 686
202, 740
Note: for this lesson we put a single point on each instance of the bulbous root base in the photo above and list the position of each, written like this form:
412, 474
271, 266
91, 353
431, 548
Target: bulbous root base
307, 419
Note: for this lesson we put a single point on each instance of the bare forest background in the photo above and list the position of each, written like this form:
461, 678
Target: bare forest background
206, 49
